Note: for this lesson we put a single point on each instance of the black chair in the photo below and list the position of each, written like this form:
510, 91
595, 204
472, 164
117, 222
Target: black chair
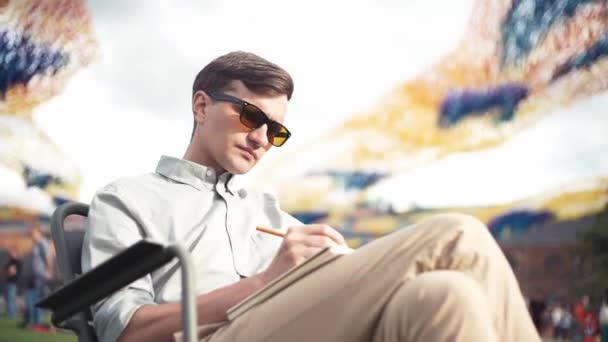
70, 304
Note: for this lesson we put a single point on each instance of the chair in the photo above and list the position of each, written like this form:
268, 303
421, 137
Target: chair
68, 247
70, 303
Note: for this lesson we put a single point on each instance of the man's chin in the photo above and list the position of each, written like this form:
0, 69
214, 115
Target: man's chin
240, 172
241, 168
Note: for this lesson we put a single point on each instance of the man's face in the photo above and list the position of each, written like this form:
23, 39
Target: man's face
225, 144
35, 234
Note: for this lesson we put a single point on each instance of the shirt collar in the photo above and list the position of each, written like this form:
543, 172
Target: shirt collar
198, 176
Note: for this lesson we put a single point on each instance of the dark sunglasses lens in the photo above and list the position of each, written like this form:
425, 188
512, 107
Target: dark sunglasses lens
252, 117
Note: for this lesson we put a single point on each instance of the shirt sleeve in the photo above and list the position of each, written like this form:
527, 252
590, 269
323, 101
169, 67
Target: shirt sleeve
112, 227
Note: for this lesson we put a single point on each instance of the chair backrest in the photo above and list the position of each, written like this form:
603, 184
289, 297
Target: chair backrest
68, 247
68, 244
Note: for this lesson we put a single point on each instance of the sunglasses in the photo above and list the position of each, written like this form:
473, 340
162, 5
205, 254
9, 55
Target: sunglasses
253, 117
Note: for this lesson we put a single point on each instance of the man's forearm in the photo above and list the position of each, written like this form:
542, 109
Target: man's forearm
160, 322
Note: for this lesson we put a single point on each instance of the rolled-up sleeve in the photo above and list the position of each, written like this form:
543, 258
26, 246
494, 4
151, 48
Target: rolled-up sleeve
112, 227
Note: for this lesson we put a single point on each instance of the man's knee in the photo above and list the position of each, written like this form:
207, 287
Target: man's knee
454, 241
460, 221
443, 224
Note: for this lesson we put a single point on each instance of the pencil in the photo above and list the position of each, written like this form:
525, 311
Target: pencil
270, 231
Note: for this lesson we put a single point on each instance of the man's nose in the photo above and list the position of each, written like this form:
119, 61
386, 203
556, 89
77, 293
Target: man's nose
259, 136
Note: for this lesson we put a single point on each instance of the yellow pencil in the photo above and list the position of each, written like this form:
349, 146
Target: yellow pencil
270, 231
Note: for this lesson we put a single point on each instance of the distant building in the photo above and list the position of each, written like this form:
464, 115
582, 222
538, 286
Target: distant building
547, 259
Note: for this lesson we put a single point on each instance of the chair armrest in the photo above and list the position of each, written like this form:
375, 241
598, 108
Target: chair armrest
117, 272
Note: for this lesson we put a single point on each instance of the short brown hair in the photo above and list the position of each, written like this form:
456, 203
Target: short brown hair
257, 74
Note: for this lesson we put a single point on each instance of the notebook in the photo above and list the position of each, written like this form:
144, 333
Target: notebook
281, 282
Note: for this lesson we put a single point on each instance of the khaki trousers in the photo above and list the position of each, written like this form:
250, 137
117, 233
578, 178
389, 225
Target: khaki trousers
443, 279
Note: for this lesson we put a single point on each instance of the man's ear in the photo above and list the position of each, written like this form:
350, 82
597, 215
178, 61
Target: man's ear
200, 104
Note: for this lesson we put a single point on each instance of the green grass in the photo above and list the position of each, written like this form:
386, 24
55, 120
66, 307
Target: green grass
10, 332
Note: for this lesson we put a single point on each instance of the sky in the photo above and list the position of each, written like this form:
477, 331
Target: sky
118, 115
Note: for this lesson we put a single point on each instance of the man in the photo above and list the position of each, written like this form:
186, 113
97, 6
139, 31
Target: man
40, 272
10, 287
444, 279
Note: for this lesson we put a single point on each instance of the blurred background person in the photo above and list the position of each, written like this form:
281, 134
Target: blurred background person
557, 314
537, 310
40, 274
12, 268
604, 317
579, 311
565, 325
590, 328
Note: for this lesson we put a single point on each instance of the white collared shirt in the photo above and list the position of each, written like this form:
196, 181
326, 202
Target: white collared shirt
184, 202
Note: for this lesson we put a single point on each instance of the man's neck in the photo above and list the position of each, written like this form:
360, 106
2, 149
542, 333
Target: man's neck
195, 156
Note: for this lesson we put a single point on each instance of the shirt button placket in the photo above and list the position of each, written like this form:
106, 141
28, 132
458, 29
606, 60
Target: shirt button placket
220, 189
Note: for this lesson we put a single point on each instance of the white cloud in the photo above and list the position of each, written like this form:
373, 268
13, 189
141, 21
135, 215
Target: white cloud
15, 193
567, 146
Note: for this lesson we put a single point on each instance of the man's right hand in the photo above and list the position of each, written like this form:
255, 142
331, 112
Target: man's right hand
299, 244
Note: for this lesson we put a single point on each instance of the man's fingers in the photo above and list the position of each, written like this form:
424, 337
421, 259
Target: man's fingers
300, 252
308, 240
319, 229
319, 241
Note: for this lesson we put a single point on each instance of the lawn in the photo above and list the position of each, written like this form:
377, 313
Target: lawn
9, 332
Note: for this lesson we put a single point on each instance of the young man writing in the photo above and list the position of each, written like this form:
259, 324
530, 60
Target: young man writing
444, 279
